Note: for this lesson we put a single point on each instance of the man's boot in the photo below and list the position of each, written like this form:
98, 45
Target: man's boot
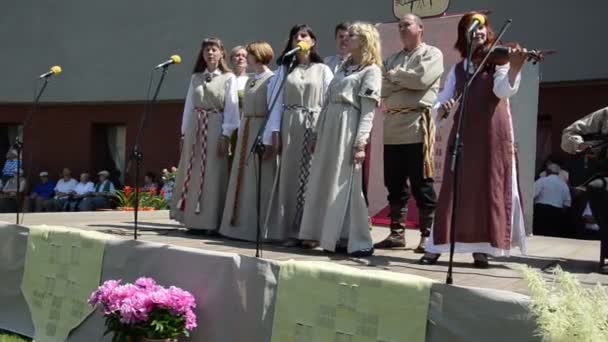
396, 239
426, 222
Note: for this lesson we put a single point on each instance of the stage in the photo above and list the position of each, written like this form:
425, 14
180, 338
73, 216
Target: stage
579, 257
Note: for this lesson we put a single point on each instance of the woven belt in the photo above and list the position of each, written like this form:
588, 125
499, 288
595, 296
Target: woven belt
395, 111
301, 108
202, 125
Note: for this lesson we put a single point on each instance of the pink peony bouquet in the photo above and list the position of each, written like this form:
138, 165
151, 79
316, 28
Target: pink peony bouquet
144, 309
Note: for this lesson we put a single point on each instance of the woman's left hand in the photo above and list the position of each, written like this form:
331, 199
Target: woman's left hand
359, 156
517, 58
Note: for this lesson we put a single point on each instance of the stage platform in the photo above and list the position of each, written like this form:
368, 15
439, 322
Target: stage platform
579, 257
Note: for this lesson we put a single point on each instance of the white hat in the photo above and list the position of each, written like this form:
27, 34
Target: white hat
44, 174
104, 172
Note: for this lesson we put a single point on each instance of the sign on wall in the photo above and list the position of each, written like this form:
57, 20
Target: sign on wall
422, 8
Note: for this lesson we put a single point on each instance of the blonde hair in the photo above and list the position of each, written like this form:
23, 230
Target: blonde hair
370, 43
261, 51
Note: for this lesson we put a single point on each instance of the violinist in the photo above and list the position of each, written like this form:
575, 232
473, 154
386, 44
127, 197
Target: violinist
589, 135
489, 218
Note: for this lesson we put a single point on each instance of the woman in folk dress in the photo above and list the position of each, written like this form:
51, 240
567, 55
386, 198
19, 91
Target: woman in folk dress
240, 215
489, 219
335, 212
211, 114
292, 125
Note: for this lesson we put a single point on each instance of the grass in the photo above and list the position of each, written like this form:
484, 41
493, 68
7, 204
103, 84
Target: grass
6, 336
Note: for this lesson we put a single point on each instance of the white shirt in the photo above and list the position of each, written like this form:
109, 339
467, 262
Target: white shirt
502, 87
84, 188
231, 104
65, 186
241, 81
274, 121
552, 190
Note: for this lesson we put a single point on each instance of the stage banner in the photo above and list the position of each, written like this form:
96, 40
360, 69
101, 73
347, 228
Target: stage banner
323, 301
442, 33
62, 268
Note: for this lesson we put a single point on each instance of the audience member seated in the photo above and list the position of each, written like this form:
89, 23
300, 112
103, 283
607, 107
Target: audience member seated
64, 187
551, 200
100, 198
10, 165
43, 191
150, 184
83, 189
8, 193
563, 174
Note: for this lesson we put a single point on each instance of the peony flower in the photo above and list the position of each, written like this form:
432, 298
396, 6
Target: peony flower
173, 169
146, 283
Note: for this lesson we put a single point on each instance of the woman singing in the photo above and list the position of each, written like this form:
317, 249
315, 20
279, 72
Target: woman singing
211, 114
292, 125
335, 212
489, 218
241, 216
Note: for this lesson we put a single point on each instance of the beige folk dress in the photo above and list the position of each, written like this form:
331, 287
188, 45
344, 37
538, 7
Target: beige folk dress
240, 213
295, 116
211, 110
334, 207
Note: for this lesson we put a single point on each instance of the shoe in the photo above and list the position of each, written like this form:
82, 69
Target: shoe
395, 240
480, 260
198, 232
421, 246
290, 243
341, 249
362, 253
603, 269
429, 259
309, 244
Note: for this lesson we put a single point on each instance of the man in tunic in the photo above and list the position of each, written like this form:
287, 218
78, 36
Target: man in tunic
341, 36
409, 89
590, 135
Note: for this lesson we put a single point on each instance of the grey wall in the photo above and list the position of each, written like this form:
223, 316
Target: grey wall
107, 48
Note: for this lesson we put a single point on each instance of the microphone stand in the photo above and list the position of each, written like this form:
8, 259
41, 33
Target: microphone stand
457, 147
137, 155
258, 149
18, 146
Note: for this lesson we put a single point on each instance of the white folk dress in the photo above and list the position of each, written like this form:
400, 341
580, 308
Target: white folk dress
240, 214
334, 207
295, 116
211, 110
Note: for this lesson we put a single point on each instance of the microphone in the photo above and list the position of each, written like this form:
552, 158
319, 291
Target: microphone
478, 21
301, 46
55, 70
175, 59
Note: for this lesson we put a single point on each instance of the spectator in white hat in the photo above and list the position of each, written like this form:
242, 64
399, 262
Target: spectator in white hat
42, 192
100, 198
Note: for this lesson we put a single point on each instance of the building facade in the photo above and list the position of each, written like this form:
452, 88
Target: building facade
107, 50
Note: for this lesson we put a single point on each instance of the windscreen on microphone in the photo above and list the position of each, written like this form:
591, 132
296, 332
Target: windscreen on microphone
176, 59
480, 18
304, 46
56, 69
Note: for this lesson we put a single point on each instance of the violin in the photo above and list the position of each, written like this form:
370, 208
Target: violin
500, 54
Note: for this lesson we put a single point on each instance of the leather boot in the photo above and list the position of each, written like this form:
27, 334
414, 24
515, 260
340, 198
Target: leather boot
396, 238
426, 222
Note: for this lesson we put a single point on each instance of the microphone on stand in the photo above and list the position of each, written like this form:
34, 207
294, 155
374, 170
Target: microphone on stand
55, 70
478, 21
301, 46
175, 59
